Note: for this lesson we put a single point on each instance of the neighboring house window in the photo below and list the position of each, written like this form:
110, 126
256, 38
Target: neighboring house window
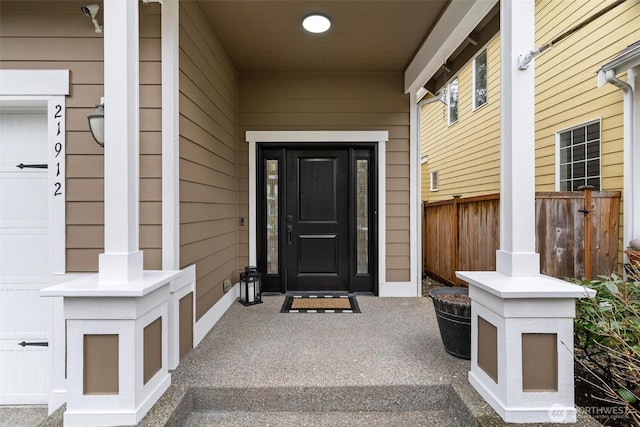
452, 101
579, 157
435, 180
480, 80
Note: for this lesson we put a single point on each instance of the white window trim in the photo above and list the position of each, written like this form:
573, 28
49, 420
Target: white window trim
473, 77
557, 149
435, 187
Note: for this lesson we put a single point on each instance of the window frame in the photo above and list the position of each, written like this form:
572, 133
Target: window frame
558, 163
486, 82
435, 181
449, 121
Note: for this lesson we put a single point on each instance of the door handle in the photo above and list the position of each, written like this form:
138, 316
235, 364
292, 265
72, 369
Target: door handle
289, 229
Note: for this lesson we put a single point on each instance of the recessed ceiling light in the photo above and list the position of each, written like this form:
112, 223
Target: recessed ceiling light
316, 23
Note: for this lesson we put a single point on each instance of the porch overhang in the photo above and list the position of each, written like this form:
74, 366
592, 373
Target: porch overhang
455, 25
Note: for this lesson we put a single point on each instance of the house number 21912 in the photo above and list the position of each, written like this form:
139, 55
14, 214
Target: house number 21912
57, 148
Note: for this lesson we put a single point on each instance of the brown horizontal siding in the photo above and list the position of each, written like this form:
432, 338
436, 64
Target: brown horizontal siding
55, 35
208, 206
334, 101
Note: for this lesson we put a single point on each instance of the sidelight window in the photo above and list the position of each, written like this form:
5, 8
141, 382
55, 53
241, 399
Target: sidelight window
271, 170
362, 216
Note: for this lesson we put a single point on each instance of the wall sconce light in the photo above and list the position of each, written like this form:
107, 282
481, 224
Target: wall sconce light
90, 11
96, 124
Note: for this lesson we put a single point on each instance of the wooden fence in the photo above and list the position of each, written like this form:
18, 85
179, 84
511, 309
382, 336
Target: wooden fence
464, 234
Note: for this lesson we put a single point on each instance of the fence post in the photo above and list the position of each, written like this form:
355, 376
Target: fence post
424, 239
586, 210
456, 237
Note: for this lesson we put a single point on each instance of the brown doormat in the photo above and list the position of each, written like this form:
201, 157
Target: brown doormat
320, 304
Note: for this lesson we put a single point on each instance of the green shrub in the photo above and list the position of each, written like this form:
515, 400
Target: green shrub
607, 340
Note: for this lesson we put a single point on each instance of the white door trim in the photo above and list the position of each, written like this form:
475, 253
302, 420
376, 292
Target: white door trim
319, 137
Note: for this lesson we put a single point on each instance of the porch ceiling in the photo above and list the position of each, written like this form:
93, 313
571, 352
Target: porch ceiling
267, 36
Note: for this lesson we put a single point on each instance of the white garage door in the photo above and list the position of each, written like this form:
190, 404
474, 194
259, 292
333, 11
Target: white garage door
24, 257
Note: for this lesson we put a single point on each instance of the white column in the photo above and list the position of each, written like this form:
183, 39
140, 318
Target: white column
122, 260
516, 256
170, 136
415, 215
516, 299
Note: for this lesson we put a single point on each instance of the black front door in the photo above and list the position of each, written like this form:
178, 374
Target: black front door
317, 220
316, 226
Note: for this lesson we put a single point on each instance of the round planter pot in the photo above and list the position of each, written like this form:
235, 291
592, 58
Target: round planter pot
454, 320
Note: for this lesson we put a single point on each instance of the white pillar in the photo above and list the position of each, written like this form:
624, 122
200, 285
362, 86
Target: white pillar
521, 321
516, 256
415, 216
122, 260
170, 136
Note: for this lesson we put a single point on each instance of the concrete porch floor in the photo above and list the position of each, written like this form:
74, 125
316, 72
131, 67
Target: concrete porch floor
257, 360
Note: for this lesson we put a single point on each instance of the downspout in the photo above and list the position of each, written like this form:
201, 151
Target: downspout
628, 148
435, 98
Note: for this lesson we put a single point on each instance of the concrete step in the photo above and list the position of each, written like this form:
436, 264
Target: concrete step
442, 418
326, 406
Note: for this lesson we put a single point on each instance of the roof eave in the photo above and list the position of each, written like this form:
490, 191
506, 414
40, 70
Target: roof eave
628, 58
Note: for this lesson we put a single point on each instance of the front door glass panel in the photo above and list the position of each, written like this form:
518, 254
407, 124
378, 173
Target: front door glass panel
271, 171
362, 216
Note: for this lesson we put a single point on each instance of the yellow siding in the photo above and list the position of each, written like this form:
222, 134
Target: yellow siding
467, 153
325, 101
566, 92
208, 203
55, 35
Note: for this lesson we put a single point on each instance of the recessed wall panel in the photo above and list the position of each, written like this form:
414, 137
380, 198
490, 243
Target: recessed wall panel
152, 348
488, 348
539, 362
101, 368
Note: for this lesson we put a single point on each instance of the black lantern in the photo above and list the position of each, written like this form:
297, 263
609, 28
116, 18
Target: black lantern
250, 286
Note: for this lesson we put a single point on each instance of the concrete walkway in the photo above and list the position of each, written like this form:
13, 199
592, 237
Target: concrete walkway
384, 366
